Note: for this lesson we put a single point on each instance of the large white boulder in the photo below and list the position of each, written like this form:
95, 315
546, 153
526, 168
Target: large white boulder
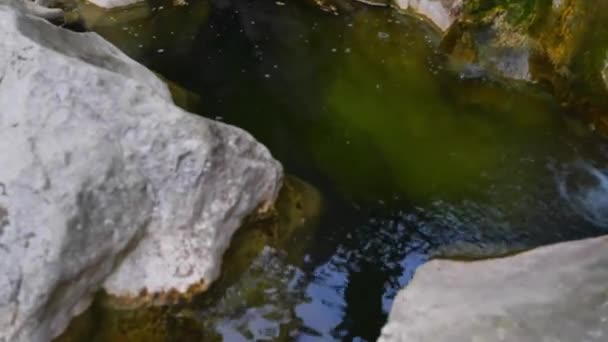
441, 12
105, 182
557, 293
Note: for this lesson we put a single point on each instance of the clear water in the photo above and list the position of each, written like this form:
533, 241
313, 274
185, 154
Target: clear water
409, 159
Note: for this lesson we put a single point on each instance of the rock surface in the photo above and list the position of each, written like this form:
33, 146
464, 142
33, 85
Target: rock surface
101, 175
559, 44
113, 3
555, 293
441, 12
258, 269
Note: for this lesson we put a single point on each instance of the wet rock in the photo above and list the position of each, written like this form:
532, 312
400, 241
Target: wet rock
105, 182
560, 44
555, 293
252, 290
492, 40
42, 8
442, 13
468, 251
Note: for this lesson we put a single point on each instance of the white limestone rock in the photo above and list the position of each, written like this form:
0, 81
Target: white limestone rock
101, 175
554, 293
441, 12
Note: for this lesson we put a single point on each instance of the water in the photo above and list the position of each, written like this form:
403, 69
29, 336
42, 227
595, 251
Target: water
408, 159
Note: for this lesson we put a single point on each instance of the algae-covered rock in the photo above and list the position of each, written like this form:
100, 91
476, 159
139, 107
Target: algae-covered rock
560, 44
496, 36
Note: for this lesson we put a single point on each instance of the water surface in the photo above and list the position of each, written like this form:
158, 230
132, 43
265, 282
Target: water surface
411, 159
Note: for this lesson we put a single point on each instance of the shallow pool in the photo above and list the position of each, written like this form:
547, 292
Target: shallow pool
402, 158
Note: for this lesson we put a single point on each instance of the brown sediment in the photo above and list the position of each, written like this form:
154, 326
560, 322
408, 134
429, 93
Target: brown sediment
146, 298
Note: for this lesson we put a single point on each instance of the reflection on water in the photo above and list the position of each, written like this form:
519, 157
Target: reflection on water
412, 161
585, 188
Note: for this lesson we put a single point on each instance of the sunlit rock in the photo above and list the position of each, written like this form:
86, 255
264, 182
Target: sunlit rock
103, 176
555, 293
493, 40
252, 296
442, 13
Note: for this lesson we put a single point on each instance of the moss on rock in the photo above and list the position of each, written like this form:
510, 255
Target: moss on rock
561, 44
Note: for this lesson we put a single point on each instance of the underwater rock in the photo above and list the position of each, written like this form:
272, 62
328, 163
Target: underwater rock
554, 293
441, 12
105, 182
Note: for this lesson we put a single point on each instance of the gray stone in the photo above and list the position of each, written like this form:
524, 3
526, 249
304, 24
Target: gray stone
105, 182
441, 12
42, 9
556, 293
113, 3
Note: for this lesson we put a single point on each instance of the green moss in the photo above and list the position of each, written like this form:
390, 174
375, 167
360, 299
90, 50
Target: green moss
523, 14
566, 44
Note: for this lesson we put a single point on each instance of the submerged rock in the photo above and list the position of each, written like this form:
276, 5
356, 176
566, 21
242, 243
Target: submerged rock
105, 182
555, 293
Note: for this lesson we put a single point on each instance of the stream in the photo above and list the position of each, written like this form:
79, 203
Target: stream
394, 157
